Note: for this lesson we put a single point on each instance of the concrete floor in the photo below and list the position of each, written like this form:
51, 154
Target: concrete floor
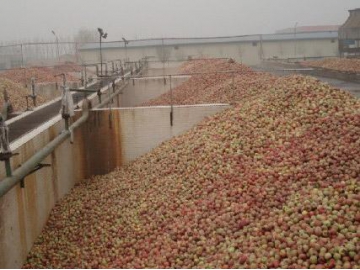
283, 70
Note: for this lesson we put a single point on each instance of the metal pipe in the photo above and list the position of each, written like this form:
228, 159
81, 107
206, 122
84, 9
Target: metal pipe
101, 56
172, 105
295, 30
57, 45
9, 182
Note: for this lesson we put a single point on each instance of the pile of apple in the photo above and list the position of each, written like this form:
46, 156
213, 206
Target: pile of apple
271, 183
41, 74
338, 64
207, 65
17, 94
211, 87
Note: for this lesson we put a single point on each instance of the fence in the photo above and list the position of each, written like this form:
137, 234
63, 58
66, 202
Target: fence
37, 54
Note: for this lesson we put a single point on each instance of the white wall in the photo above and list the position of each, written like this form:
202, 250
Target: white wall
145, 128
245, 52
24, 211
139, 91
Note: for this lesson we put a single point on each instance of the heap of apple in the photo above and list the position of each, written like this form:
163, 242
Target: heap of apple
41, 74
271, 183
215, 81
17, 95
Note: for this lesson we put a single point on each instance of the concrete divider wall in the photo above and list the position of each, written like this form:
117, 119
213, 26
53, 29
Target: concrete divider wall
141, 90
159, 68
147, 127
109, 139
24, 211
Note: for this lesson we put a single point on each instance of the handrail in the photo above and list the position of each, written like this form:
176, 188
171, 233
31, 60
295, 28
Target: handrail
7, 183
27, 167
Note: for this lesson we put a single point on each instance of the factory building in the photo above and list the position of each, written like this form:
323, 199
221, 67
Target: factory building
250, 49
349, 34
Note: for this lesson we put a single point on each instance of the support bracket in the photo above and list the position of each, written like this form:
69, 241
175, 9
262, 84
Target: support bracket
37, 167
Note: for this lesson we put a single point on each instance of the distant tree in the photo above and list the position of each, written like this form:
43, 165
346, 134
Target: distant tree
163, 53
86, 35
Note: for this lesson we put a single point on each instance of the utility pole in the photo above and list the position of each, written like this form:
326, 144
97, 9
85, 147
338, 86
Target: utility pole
102, 36
126, 42
295, 29
57, 45
23, 64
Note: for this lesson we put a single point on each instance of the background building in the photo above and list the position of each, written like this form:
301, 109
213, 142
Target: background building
247, 49
349, 34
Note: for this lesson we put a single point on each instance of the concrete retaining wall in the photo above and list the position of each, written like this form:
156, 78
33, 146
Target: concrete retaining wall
141, 90
108, 139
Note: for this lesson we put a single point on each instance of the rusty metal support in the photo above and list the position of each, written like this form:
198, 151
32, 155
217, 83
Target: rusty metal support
171, 104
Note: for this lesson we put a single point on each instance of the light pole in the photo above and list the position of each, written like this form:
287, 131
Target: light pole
102, 36
57, 45
126, 42
295, 29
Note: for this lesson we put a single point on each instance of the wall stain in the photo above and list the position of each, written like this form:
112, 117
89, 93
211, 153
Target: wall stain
102, 146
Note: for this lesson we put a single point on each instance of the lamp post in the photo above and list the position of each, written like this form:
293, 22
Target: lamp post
126, 42
102, 36
295, 29
57, 45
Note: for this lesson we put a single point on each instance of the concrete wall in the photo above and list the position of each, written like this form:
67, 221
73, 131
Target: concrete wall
246, 52
139, 91
24, 211
144, 128
108, 139
310, 48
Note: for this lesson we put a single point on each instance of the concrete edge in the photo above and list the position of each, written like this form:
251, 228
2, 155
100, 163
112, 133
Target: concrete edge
30, 135
166, 106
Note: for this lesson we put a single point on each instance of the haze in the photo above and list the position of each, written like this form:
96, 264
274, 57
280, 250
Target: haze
26, 20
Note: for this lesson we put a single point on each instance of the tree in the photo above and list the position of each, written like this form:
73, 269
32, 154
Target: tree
86, 35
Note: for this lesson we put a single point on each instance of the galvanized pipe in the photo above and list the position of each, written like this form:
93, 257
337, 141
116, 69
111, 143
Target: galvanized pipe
9, 182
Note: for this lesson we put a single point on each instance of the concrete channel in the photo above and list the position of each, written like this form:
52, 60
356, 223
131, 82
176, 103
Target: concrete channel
111, 137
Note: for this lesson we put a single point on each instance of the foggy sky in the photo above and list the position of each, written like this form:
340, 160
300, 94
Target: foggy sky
26, 19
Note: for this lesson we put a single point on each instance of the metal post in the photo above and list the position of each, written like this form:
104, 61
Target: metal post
171, 104
58, 50
100, 58
22, 63
8, 168
66, 118
99, 95
163, 55
33, 95
57, 45
85, 79
22, 56
295, 29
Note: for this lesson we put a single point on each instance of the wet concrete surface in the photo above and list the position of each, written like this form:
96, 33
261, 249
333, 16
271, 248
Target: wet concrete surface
30, 122
285, 70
